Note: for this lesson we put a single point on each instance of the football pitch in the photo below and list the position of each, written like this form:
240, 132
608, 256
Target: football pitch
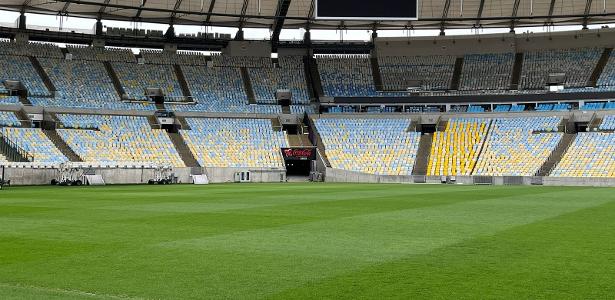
298, 241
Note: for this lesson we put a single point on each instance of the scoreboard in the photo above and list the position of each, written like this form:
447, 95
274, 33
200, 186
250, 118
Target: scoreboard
366, 9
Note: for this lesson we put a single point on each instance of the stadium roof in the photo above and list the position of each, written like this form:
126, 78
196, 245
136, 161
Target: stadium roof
299, 13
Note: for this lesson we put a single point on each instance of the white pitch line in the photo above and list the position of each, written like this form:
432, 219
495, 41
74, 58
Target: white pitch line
68, 292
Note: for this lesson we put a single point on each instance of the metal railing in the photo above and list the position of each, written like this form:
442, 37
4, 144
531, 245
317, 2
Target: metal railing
13, 152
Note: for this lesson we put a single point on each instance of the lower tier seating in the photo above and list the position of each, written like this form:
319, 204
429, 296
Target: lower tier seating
455, 151
36, 143
512, 141
8, 99
8, 118
118, 140
373, 146
592, 154
608, 123
245, 143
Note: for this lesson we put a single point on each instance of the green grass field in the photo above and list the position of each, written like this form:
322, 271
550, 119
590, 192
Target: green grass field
294, 241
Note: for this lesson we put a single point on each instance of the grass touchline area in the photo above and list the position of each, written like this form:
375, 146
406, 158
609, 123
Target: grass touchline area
300, 241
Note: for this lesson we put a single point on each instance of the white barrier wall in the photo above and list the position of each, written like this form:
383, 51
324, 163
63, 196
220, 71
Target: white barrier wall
41, 176
227, 175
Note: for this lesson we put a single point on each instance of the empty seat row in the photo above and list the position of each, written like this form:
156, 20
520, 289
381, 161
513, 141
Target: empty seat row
36, 143
576, 64
373, 146
517, 146
20, 68
592, 154
455, 151
432, 72
118, 140
8, 118
289, 74
169, 58
235, 143
101, 53
136, 78
346, 76
498, 67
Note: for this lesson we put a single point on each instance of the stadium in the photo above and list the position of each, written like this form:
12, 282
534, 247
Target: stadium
307, 149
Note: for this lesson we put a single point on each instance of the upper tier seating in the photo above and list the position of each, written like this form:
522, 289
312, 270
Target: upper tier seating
245, 143
36, 143
219, 90
608, 123
168, 58
118, 140
289, 74
101, 54
435, 72
513, 149
218, 60
607, 78
578, 64
346, 76
73, 80
487, 71
4, 99
342, 109
593, 106
301, 109
553, 107
592, 154
135, 78
8, 118
373, 146
30, 49
455, 151
20, 68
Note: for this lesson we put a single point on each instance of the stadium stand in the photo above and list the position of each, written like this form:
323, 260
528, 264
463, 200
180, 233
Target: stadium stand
498, 66
289, 74
373, 146
301, 109
607, 78
219, 90
73, 81
346, 75
20, 68
511, 141
608, 123
36, 143
135, 78
435, 72
577, 64
8, 118
593, 106
101, 54
590, 155
4, 99
219, 60
455, 151
160, 57
30, 49
222, 143
117, 140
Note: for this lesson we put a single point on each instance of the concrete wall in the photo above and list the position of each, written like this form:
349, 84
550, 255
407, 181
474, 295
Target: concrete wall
227, 175
336, 175
43, 176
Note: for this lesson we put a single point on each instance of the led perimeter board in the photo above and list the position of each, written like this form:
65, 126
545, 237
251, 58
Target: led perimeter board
367, 9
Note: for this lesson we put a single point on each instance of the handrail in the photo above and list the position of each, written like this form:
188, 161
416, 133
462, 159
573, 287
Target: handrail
15, 153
